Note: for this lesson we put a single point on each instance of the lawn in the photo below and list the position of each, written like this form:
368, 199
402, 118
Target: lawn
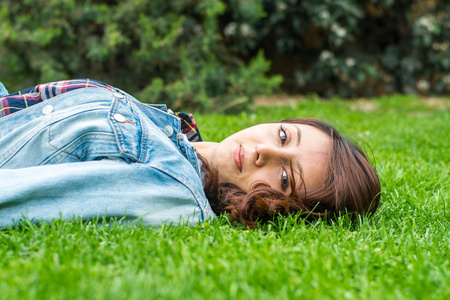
402, 252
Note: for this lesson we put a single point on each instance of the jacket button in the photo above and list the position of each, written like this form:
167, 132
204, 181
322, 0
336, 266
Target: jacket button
119, 118
47, 109
168, 130
119, 95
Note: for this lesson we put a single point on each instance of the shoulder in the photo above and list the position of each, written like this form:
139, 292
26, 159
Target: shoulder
177, 193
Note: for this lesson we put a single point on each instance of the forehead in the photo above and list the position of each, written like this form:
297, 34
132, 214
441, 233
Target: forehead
312, 152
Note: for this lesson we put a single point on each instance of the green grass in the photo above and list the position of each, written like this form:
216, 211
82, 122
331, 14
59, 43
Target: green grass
400, 253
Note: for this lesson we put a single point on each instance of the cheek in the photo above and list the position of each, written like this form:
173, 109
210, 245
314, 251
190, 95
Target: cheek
260, 176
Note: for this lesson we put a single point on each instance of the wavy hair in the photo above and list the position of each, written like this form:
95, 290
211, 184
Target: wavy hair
351, 187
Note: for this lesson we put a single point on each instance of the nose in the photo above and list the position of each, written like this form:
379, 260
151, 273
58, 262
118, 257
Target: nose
265, 154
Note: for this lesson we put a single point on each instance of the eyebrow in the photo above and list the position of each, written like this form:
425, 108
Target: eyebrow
299, 138
299, 135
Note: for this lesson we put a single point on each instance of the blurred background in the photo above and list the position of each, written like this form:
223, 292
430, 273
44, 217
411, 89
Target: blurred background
218, 54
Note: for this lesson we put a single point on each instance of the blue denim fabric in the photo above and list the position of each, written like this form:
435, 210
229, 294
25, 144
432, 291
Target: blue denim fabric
3, 90
92, 152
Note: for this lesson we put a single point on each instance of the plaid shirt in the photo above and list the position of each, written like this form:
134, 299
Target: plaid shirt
26, 98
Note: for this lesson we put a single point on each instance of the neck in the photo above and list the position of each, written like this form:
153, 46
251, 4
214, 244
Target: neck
205, 149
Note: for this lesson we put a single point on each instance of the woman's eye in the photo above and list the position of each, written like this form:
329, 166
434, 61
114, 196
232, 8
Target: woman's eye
283, 135
284, 180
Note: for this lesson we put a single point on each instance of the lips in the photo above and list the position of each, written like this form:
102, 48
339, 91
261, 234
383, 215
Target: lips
239, 157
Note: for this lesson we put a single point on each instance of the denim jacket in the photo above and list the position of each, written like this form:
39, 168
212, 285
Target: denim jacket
3, 90
98, 153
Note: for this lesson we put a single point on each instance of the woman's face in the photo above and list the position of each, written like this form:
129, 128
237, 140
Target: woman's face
271, 153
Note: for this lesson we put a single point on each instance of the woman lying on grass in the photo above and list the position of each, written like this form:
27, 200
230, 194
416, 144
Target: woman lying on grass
84, 148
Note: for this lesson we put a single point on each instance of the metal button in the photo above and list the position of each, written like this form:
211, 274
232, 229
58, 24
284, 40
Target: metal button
119, 118
47, 109
119, 95
168, 130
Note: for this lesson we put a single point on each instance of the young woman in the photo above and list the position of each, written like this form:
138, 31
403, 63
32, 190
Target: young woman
84, 148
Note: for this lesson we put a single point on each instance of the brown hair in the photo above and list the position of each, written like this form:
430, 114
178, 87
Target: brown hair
351, 187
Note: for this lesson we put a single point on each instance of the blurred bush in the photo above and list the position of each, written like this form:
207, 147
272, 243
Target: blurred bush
215, 54
160, 51
349, 48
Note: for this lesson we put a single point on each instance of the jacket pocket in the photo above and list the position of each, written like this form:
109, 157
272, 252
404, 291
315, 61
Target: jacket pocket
109, 131
127, 128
